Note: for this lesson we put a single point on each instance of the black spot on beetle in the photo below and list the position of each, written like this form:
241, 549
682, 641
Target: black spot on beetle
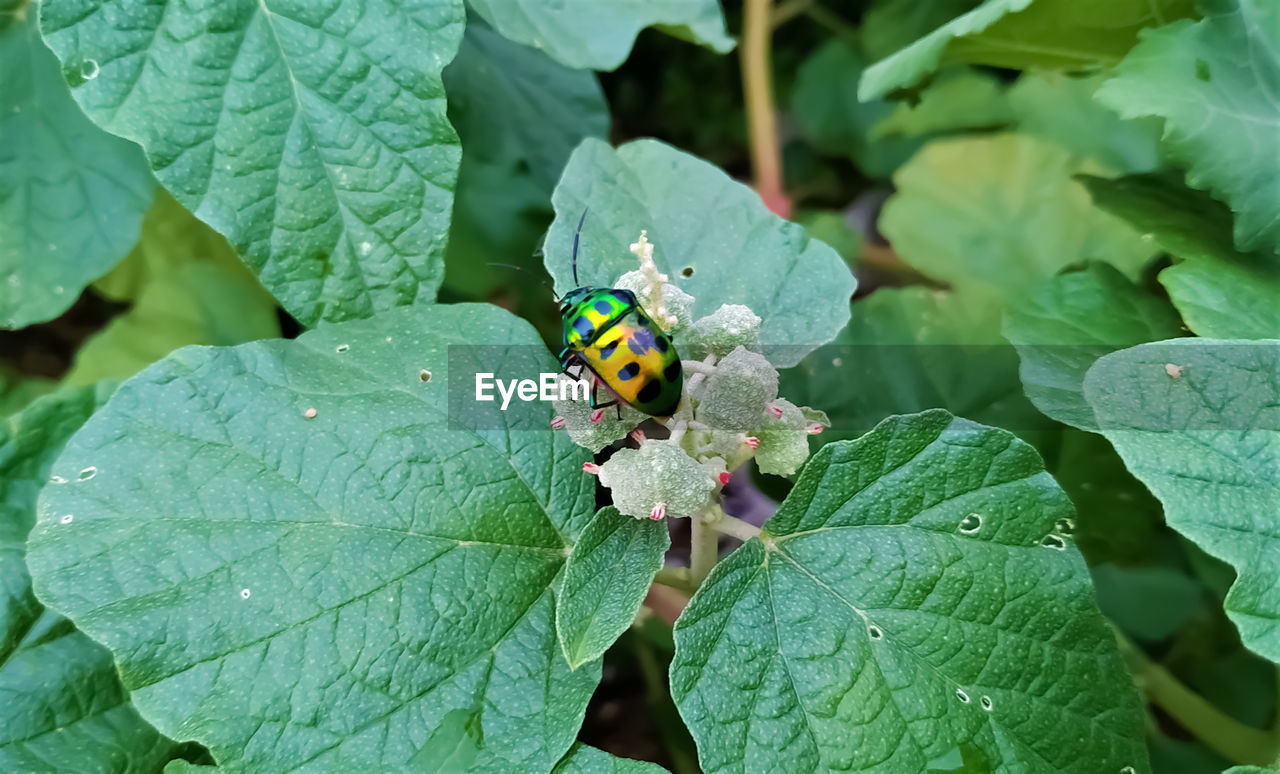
608, 349
649, 391
584, 327
672, 372
661, 343
604, 307
629, 371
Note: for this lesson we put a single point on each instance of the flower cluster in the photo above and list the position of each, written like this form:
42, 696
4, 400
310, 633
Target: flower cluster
729, 412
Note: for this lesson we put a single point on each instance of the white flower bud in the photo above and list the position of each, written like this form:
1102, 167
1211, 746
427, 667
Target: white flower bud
737, 394
659, 472
727, 328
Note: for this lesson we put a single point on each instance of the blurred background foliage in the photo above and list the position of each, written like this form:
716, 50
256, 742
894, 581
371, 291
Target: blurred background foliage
952, 197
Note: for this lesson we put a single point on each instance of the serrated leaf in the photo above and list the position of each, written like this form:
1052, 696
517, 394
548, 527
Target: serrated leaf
64, 707
910, 349
1062, 108
1196, 421
187, 287
313, 138
345, 580
712, 236
583, 759
605, 580
1220, 291
1003, 214
1214, 82
865, 631
1071, 321
597, 36
829, 114
1026, 34
71, 195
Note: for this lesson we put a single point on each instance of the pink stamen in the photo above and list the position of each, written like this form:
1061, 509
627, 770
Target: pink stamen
658, 512
309, 413
753, 442
597, 415
814, 429
776, 411
557, 423
637, 435
590, 467
724, 478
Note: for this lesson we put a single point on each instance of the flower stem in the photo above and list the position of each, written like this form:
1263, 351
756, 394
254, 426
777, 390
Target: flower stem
704, 549
677, 578
762, 120
1220, 732
734, 527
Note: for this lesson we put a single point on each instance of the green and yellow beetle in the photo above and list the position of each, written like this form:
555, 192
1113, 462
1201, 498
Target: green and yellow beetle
606, 332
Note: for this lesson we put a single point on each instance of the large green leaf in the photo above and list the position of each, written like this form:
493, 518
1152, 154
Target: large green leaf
312, 136
71, 195
64, 706
605, 580
910, 608
829, 114
598, 36
583, 759
712, 236
1003, 215
519, 114
1197, 421
1062, 108
1214, 82
960, 99
909, 349
1026, 34
889, 25
187, 287
1071, 321
346, 579
1220, 291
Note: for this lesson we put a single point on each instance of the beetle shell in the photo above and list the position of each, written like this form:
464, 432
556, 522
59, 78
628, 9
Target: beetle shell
608, 332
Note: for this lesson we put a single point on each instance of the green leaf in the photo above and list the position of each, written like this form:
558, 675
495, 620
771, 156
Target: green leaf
712, 236
1026, 34
605, 580
17, 389
1004, 215
1147, 602
1195, 420
187, 287
314, 138
1220, 291
907, 610
829, 114
592, 35
582, 759
64, 707
1062, 108
889, 25
71, 195
909, 349
957, 100
1213, 82
1071, 321
519, 114
345, 580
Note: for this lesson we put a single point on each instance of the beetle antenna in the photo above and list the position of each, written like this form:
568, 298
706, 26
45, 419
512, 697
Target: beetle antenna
576, 236
541, 279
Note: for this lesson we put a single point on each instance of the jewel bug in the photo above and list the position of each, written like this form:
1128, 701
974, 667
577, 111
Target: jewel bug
607, 333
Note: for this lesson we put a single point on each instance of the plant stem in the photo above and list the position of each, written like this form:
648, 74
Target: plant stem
1220, 732
762, 121
734, 527
788, 10
704, 549
677, 578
